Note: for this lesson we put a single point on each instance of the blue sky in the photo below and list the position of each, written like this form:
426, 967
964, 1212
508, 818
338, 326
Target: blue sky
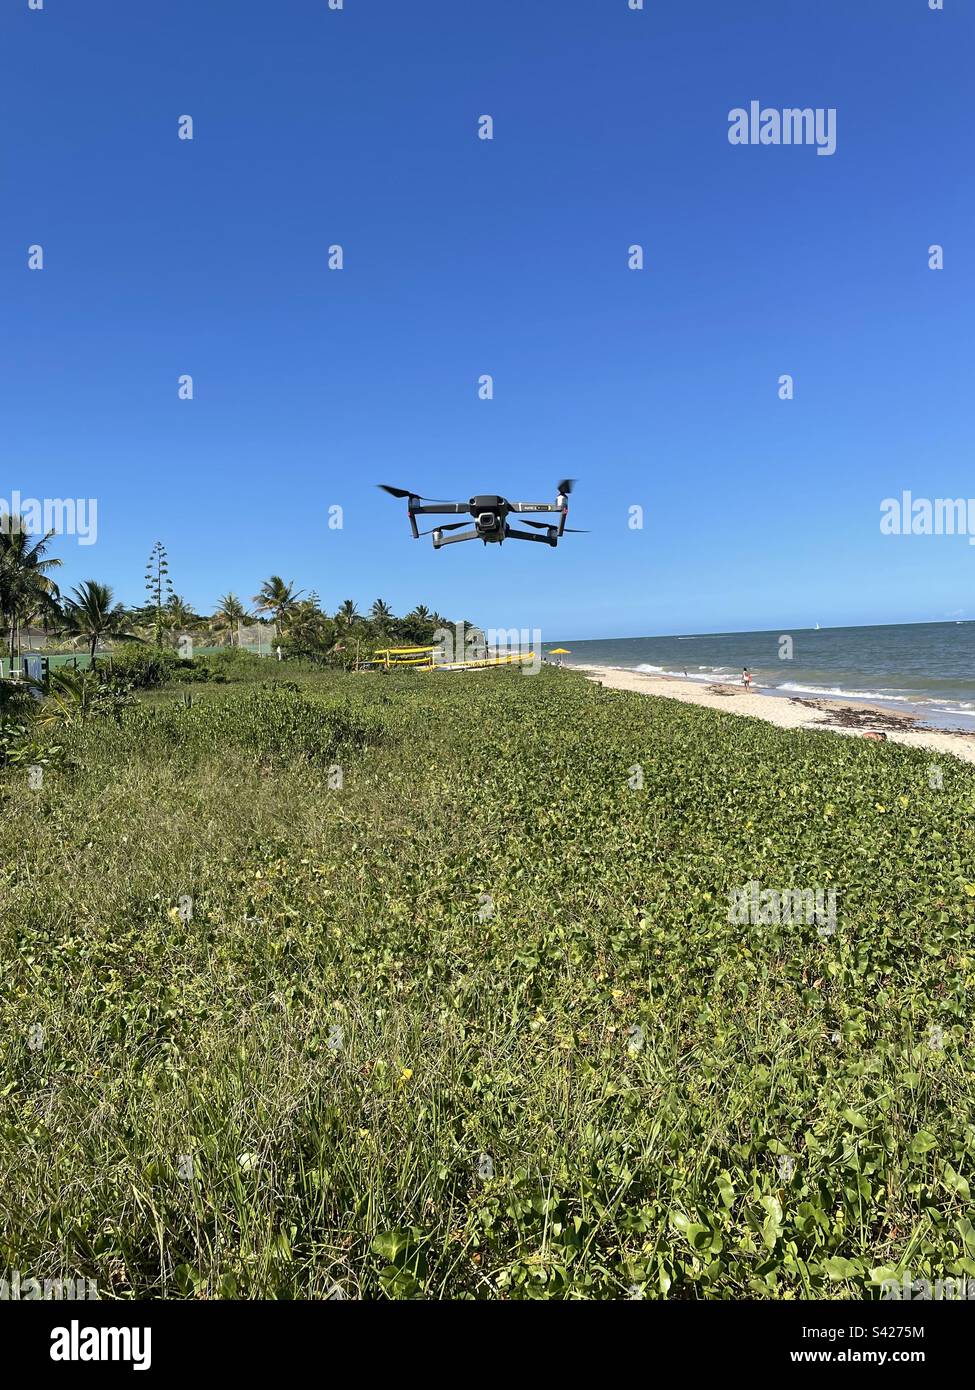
508, 257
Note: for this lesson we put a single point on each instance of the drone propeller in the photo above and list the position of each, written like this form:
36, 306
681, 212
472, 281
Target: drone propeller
413, 496
566, 486
546, 526
397, 491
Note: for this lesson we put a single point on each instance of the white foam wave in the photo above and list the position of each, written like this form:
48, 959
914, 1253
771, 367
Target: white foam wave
834, 691
700, 673
890, 697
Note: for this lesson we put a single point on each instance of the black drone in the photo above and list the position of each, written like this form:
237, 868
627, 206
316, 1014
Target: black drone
490, 516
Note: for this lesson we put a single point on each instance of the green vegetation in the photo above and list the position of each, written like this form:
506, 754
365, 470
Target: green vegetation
35, 616
92, 616
394, 983
28, 594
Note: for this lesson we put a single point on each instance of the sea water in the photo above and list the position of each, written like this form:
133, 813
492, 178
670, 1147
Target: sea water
923, 669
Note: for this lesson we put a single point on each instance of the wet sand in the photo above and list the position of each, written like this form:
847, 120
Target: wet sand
836, 716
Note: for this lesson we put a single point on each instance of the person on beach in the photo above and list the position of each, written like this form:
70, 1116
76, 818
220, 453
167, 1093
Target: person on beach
746, 678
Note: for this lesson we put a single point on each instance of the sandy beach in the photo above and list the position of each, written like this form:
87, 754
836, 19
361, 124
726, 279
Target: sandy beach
835, 716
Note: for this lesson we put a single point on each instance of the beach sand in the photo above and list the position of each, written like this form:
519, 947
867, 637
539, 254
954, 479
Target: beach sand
834, 716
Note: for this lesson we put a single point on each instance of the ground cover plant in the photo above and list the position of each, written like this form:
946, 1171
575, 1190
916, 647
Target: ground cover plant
422, 986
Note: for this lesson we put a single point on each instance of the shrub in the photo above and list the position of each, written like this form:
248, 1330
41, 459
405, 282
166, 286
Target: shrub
20, 747
234, 664
272, 723
144, 667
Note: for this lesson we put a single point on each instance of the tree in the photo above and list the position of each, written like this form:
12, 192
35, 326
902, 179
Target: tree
93, 616
278, 598
178, 616
382, 616
26, 589
347, 613
309, 632
159, 586
230, 613
421, 624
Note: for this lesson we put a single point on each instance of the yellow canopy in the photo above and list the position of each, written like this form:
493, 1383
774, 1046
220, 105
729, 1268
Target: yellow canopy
559, 651
402, 651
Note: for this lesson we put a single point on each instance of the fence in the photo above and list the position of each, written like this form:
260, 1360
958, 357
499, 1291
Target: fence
78, 661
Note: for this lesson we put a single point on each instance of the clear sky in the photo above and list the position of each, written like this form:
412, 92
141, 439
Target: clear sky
463, 256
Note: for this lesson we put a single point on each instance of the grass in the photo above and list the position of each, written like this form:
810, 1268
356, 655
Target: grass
475, 1022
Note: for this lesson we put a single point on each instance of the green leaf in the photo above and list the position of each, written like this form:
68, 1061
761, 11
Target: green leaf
967, 1232
391, 1245
726, 1189
772, 1225
956, 1182
923, 1142
852, 1118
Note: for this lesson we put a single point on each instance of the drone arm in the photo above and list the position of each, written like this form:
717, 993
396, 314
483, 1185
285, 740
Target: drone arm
434, 509
513, 535
439, 542
561, 505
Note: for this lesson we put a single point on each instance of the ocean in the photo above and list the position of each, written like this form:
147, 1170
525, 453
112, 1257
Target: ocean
925, 669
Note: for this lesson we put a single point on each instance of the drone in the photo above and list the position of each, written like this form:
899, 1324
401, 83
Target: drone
490, 515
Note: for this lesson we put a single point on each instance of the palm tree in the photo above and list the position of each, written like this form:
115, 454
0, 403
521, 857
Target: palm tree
25, 586
178, 616
308, 629
347, 613
41, 609
69, 699
420, 625
276, 597
229, 614
93, 615
382, 616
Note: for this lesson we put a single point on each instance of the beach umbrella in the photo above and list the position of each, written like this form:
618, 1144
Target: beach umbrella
560, 651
